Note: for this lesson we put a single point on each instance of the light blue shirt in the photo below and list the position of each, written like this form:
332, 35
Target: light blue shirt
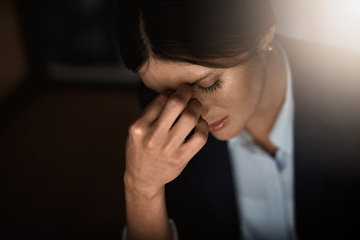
263, 183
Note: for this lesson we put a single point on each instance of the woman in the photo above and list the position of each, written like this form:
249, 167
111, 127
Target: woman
216, 68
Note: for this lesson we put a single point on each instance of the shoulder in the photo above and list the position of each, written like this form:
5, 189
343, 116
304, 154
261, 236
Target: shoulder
326, 84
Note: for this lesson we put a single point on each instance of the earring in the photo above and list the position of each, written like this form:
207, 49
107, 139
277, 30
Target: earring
269, 47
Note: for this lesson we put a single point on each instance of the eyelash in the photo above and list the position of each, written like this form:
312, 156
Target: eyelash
211, 88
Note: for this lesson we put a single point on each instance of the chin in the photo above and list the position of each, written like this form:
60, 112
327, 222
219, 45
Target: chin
223, 135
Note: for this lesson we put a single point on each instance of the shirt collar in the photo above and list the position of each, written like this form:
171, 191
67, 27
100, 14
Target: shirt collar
281, 134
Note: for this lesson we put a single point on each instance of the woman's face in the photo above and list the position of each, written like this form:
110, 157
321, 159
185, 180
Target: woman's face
229, 96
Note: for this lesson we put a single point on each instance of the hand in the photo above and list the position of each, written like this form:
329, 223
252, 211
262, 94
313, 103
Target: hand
156, 149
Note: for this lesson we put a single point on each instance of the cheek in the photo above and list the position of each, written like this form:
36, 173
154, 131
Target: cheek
239, 105
242, 97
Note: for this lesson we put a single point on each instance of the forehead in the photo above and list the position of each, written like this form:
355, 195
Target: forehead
161, 75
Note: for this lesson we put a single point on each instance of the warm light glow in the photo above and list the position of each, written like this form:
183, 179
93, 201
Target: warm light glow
332, 22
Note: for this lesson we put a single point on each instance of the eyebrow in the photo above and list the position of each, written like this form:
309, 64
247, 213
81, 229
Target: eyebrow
202, 78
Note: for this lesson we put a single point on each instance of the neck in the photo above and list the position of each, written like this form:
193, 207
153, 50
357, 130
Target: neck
263, 120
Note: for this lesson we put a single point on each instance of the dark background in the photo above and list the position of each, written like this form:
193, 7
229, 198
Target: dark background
66, 101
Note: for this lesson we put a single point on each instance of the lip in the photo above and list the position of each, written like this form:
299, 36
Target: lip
218, 125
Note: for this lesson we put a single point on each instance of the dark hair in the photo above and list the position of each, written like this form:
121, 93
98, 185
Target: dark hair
213, 33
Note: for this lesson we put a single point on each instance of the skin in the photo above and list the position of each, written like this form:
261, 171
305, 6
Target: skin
250, 96
238, 96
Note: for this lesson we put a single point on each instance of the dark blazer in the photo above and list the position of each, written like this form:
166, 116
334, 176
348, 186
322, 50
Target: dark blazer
326, 84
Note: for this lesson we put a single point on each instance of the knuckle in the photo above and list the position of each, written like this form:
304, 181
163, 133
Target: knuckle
185, 155
148, 143
151, 142
137, 129
172, 155
178, 160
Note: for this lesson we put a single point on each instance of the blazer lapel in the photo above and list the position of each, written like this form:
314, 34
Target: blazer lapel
211, 175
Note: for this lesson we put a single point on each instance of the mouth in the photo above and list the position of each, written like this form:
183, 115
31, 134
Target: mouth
218, 125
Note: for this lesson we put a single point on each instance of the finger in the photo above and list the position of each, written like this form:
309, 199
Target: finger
197, 140
187, 122
153, 110
174, 107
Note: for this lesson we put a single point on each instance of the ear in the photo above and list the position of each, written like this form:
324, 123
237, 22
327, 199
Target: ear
268, 38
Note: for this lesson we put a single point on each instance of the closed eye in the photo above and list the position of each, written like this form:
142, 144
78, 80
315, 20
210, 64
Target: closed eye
216, 85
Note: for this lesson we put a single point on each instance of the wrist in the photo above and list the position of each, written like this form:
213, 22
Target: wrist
146, 213
139, 191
